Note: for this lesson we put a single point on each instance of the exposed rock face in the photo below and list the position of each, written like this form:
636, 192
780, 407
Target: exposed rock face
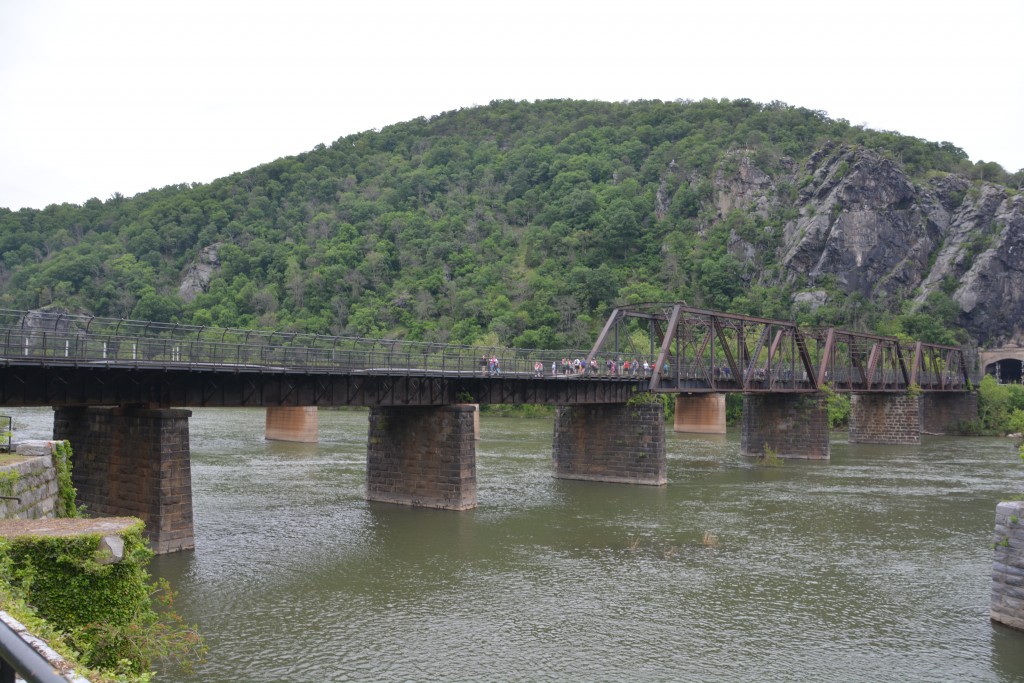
860, 221
748, 188
197, 276
991, 292
863, 222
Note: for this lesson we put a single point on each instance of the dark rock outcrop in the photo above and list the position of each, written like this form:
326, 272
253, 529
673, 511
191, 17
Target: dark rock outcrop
865, 225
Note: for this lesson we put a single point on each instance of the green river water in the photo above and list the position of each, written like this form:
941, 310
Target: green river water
873, 566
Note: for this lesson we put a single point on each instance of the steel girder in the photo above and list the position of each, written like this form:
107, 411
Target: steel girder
28, 385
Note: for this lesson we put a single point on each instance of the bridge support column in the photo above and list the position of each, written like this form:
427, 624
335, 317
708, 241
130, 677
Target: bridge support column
945, 413
292, 423
785, 425
133, 462
885, 418
700, 413
422, 456
614, 442
1007, 601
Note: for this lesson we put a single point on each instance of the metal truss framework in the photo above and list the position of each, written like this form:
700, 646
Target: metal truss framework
696, 350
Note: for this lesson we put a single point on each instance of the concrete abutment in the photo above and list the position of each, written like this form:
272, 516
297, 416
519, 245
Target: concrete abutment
700, 414
1007, 599
298, 424
132, 461
616, 442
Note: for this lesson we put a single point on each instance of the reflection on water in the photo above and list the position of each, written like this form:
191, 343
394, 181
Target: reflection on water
874, 566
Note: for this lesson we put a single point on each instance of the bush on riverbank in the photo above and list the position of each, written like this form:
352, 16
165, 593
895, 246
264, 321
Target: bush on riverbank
109, 617
1000, 407
106, 618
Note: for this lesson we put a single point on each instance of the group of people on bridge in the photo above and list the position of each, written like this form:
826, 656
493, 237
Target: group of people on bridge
613, 367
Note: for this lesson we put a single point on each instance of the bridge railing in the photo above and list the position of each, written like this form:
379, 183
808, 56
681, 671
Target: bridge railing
68, 339
687, 349
18, 658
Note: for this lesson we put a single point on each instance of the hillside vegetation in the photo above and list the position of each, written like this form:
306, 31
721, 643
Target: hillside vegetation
514, 223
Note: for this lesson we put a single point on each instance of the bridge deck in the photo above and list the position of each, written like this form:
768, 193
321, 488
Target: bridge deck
58, 359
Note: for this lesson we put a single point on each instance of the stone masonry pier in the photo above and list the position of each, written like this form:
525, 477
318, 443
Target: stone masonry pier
298, 424
422, 456
946, 413
785, 425
133, 461
618, 442
885, 419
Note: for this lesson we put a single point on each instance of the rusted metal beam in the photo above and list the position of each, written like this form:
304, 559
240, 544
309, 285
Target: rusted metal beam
826, 357
612, 321
733, 367
666, 343
876, 352
805, 359
915, 365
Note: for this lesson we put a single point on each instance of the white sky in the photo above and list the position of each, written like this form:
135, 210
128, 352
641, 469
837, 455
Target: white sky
104, 96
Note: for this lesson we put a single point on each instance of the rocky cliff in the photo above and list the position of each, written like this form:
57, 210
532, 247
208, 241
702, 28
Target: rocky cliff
866, 228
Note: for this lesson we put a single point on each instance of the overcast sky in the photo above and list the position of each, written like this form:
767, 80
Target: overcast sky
105, 96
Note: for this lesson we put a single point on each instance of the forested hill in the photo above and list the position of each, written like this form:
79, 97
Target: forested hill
524, 223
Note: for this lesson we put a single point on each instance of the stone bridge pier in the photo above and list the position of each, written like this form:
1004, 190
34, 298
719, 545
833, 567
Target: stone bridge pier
422, 456
785, 426
900, 418
426, 456
133, 461
700, 413
299, 424
943, 413
885, 418
614, 442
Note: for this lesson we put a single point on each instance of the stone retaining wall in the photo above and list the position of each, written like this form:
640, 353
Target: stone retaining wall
1008, 565
36, 486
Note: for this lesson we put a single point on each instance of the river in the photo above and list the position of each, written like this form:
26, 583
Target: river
873, 566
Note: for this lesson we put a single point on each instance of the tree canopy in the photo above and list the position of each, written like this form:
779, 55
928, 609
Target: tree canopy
519, 223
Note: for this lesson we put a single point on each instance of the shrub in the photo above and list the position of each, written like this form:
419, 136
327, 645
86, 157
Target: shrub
107, 612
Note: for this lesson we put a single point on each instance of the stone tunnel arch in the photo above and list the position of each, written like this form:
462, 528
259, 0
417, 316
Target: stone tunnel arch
1006, 365
1007, 370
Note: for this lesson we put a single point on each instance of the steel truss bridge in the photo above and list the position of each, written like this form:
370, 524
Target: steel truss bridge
54, 358
695, 350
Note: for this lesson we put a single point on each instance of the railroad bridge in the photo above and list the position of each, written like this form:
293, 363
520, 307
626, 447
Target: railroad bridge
121, 390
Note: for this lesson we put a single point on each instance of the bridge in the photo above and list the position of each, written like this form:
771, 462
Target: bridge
121, 388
